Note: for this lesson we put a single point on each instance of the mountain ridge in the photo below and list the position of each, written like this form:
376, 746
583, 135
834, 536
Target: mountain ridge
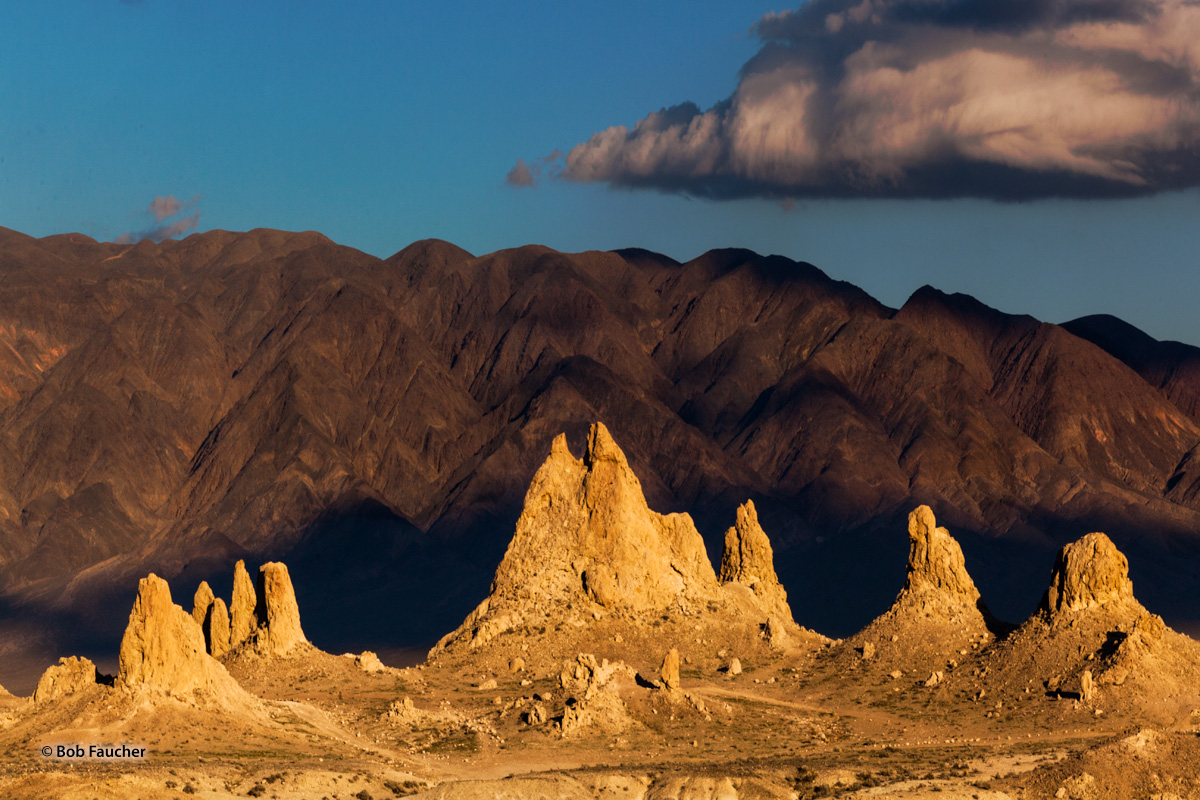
176, 406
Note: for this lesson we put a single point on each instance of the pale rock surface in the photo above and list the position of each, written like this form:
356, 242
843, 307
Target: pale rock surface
936, 615
368, 661
163, 650
936, 573
68, 676
278, 615
202, 602
594, 702
735, 667
1087, 686
776, 631
1088, 573
216, 629
749, 560
669, 671
242, 621
586, 534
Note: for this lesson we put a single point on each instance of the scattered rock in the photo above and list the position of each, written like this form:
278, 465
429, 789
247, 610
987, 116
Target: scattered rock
68, 676
201, 602
1087, 687
934, 678
279, 630
536, 715
775, 631
669, 671
241, 610
735, 667
368, 661
516, 665
867, 651
1089, 572
487, 685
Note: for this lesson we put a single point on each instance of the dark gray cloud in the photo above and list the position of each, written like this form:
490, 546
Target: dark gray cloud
168, 223
1004, 99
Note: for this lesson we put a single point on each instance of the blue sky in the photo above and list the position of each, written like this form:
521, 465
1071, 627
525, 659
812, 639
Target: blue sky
378, 123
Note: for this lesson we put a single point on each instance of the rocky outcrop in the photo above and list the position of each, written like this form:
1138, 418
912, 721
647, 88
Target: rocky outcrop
242, 620
749, 560
163, 649
68, 676
202, 602
586, 535
216, 629
936, 571
1088, 573
278, 615
937, 614
594, 703
669, 671
590, 519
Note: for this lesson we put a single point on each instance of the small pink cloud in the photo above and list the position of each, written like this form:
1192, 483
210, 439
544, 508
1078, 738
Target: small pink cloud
163, 209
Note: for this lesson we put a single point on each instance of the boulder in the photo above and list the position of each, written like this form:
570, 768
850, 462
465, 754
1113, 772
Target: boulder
669, 671
68, 676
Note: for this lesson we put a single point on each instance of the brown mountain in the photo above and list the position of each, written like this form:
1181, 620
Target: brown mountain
177, 406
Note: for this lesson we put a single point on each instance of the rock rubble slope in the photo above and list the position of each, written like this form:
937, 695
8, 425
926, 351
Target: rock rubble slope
1091, 641
937, 614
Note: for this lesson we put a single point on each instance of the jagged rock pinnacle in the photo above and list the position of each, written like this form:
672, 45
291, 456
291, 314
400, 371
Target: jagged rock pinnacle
749, 560
242, 621
163, 647
935, 560
586, 529
201, 602
216, 629
279, 616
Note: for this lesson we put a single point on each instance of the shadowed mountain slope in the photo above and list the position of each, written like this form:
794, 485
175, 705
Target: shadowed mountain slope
176, 406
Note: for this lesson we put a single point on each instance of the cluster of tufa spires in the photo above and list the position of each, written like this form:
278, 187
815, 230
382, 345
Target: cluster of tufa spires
268, 615
167, 651
586, 539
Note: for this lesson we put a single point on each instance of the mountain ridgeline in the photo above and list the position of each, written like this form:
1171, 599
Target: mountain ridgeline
177, 406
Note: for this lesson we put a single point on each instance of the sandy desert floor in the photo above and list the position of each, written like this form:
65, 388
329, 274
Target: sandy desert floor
782, 728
